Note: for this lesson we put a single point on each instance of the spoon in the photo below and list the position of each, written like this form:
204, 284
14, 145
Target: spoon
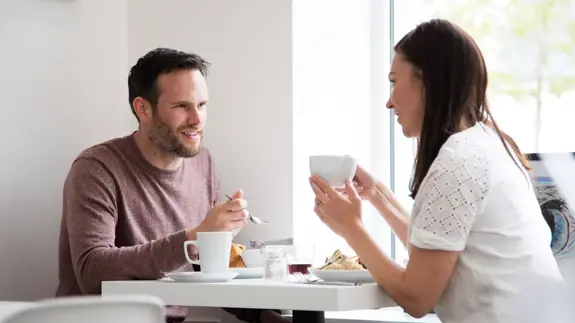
250, 216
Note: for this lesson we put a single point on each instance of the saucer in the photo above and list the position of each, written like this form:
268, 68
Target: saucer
199, 277
248, 273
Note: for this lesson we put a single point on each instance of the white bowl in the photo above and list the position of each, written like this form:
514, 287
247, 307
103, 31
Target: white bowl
334, 169
253, 258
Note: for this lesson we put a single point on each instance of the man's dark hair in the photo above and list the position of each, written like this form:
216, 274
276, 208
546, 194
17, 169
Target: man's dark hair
143, 76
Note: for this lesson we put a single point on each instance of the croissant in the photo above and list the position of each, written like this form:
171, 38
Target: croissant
339, 261
236, 256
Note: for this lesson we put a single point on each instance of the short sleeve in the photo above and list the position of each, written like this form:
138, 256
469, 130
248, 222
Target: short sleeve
449, 199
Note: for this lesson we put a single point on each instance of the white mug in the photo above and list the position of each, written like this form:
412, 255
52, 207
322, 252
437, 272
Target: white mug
335, 169
214, 250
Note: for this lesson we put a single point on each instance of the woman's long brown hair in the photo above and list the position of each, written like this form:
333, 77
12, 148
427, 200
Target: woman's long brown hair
454, 76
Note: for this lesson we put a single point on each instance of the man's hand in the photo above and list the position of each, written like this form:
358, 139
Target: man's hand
227, 216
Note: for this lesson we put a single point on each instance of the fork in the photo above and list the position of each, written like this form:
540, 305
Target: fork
304, 278
250, 216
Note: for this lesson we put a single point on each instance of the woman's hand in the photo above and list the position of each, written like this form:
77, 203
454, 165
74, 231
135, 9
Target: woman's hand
368, 187
366, 183
340, 212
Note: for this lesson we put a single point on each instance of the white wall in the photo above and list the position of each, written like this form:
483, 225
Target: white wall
282, 87
63, 88
249, 128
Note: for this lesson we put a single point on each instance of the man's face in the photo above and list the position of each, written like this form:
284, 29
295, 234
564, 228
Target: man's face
178, 120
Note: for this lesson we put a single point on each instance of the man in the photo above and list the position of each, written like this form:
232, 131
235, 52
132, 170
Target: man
130, 203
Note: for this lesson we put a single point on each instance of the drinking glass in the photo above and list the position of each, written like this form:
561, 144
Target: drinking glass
275, 262
300, 258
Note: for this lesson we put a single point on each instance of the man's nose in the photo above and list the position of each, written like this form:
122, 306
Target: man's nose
194, 116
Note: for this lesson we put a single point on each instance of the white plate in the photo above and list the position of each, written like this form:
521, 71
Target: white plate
248, 273
199, 277
349, 276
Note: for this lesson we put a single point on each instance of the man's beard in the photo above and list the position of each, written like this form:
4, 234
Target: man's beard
168, 141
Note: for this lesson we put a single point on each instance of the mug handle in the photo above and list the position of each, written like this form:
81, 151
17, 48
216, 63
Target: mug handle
186, 244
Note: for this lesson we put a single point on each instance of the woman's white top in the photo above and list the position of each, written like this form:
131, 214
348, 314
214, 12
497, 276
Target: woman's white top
476, 200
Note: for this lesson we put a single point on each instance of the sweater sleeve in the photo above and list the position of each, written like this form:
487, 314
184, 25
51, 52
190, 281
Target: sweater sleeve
215, 182
90, 213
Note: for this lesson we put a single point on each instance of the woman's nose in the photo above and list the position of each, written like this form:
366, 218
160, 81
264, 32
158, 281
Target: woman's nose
389, 104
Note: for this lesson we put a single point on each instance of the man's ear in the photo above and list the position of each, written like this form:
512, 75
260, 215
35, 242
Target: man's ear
142, 108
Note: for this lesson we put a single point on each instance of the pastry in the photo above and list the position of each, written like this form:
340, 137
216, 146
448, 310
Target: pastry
339, 261
236, 256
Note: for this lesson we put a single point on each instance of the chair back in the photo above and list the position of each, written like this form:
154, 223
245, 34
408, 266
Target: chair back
92, 309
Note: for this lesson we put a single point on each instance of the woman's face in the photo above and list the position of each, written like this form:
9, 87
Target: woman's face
406, 96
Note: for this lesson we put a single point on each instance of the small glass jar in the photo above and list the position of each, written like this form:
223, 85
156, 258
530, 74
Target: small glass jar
275, 262
301, 257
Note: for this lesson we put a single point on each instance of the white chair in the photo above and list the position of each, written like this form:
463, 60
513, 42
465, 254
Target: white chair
92, 309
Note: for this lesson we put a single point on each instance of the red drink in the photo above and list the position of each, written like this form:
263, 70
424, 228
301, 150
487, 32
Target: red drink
299, 268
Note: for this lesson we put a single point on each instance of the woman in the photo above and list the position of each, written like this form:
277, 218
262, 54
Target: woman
475, 236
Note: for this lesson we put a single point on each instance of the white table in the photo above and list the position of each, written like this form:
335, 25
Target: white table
308, 302
7, 308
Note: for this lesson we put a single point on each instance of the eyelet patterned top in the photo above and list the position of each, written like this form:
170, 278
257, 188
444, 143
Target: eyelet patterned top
474, 199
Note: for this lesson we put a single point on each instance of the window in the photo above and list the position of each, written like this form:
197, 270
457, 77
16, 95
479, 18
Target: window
529, 48
340, 90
